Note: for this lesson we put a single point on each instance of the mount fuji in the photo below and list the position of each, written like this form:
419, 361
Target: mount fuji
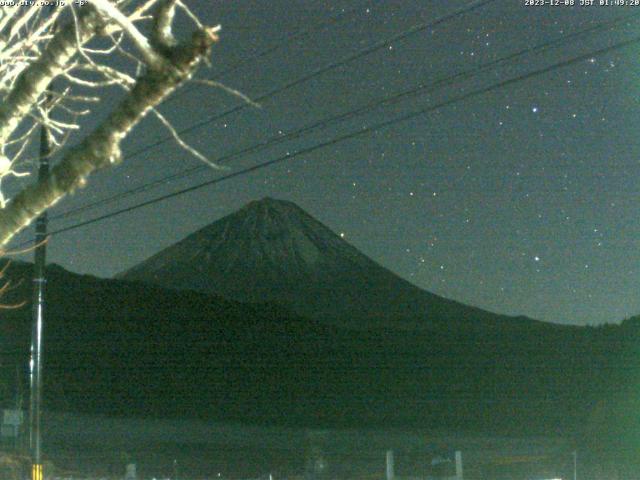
272, 251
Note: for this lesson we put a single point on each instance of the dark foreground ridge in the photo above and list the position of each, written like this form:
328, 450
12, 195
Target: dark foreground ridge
120, 348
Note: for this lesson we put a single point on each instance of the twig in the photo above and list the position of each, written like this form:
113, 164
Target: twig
184, 144
229, 90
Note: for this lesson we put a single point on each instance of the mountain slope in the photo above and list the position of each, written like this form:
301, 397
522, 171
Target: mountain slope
273, 251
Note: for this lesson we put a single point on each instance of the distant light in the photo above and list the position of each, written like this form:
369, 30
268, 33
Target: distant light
536, 258
534, 109
342, 234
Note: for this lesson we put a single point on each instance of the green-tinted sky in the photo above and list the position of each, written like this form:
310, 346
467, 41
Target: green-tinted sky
523, 200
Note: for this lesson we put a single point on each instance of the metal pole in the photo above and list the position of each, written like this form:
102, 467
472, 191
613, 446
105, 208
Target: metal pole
39, 281
459, 475
390, 466
575, 465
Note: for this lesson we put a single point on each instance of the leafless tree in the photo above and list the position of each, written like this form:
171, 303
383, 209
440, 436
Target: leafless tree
87, 49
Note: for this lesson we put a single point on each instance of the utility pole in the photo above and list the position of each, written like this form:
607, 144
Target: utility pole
39, 281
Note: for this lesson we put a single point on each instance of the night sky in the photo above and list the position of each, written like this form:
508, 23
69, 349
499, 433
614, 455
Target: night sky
521, 200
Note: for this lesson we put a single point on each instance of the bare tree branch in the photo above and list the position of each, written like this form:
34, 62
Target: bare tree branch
35, 79
162, 34
33, 53
149, 55
229, 90
185, 145
101, 148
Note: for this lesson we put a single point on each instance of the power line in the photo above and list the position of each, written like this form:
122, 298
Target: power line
301, 33
291, 38
322, 70
355, 134
389, 99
